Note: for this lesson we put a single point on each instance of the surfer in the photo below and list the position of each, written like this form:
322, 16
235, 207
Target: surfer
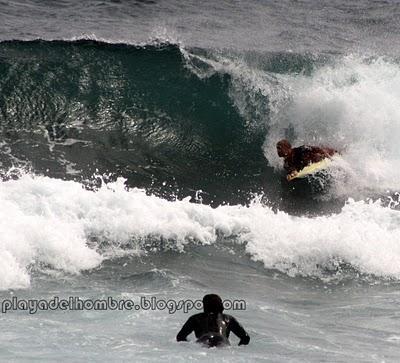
212, 327
297, 158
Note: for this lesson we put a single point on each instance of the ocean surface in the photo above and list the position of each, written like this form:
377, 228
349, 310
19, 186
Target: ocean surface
138, 160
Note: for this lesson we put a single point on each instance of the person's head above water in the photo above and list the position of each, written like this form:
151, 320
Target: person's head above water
283, 148
212, 303
212, 327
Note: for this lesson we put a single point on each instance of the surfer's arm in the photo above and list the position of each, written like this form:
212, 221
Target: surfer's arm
187, 328
289, 167
239, 331
291, 171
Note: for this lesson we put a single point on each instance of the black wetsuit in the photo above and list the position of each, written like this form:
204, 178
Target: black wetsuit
212, 329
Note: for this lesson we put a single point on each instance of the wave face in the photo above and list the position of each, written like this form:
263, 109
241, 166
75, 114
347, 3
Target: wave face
134, 110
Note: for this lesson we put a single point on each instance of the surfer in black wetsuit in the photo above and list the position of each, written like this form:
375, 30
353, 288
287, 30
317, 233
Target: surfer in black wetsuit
212, 327
297, 158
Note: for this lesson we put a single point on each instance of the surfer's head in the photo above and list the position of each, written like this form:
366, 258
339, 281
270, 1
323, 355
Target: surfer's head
212, 303
283, 148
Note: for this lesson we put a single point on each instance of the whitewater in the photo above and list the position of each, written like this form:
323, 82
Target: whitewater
49, 222
138, 160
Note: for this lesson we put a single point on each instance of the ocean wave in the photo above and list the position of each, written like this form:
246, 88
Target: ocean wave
62, 225
351, 104
136, 111
159, 112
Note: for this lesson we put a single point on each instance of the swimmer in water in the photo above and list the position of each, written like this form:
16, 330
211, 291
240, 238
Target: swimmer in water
297, 158
212, 327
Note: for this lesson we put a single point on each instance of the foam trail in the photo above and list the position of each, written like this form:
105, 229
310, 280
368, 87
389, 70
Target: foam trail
57, 223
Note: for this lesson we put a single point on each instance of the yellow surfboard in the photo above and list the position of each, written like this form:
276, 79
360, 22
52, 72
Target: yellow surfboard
310, 169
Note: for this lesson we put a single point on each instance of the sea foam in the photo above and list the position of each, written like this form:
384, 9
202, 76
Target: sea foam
350, 103
353, 105
62, 225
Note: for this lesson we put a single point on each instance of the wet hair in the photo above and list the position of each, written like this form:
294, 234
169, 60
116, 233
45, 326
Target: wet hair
212, 303
283, 147
284, 143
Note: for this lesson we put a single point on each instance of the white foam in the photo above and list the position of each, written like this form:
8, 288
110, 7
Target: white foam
50, 221
354, 106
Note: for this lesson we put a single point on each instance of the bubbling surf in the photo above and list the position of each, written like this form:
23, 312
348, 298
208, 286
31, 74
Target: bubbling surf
352, 104
61, 225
